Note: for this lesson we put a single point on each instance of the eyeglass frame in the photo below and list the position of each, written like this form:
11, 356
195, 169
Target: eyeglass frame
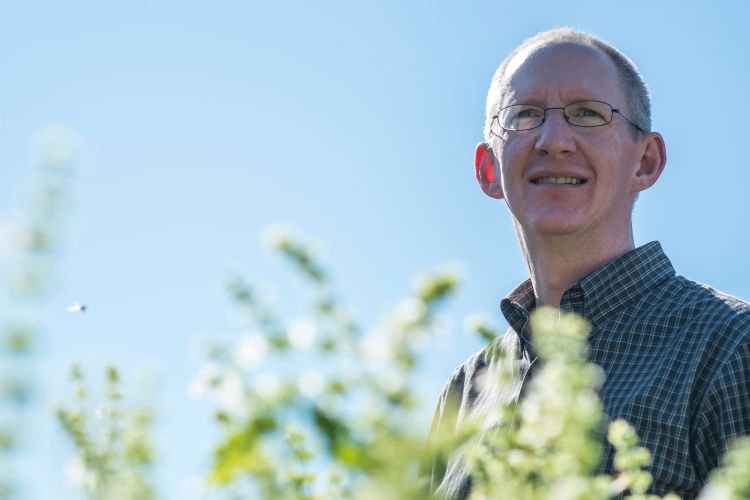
565, 116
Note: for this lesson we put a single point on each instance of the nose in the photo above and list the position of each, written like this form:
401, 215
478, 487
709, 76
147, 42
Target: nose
555, 134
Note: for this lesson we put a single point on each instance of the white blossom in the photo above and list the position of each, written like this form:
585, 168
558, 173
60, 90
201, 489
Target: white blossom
267, 386
377, 346
57, 146
311, 384
391, 380
251, 351
207, 377
716, 491
407, 313
102, 411
80, 476
277, 235
230, 394
302, 333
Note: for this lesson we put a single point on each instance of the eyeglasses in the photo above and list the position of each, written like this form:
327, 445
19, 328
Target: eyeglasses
579, 113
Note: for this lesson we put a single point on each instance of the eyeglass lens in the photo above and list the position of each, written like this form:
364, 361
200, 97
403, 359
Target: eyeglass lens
581, 113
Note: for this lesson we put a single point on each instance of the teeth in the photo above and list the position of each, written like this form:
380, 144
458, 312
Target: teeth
559, 180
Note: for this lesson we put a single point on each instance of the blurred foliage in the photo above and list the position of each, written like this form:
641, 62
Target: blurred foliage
29, 240
549, 444
731, 481
316, 407
114, 455
549, 441
319, 408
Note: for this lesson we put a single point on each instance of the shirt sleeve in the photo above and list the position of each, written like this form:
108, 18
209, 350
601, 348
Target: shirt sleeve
725, 413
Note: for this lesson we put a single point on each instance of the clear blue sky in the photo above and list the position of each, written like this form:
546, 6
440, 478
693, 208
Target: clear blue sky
201, 123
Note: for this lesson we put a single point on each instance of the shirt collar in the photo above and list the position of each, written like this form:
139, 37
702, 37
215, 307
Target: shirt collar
601, 292
516, 308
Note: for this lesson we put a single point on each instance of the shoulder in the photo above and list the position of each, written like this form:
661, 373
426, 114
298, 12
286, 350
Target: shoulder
465, 374
723, 306
689, 292
711, 308
462, 389
722, 322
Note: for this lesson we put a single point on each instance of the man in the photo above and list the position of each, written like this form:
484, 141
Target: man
568, 147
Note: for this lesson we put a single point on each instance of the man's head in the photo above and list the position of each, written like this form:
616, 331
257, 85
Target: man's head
636, 92
563, 177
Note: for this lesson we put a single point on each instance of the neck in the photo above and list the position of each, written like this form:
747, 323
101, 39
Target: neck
557, 262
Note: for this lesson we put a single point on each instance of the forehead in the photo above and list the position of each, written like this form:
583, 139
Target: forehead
562, 73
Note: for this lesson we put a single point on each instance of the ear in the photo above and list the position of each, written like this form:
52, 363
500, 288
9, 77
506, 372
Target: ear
484, 163
652, 162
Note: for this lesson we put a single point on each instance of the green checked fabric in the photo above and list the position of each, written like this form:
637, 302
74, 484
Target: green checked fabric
676, 359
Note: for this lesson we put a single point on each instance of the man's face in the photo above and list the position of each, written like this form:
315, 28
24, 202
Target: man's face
605, 158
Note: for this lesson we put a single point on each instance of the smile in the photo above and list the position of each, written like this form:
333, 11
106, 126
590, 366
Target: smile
559, 180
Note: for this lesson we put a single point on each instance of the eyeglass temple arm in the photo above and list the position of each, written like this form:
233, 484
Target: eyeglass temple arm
628, 119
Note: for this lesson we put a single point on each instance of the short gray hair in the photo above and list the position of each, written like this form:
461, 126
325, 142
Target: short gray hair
631, 81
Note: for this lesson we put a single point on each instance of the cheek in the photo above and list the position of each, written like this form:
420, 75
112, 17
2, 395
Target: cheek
608, 159
512, 156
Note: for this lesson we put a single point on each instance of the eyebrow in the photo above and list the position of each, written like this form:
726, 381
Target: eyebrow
535, 94
537, 102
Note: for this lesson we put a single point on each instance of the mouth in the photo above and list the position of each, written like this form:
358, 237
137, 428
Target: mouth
559, 180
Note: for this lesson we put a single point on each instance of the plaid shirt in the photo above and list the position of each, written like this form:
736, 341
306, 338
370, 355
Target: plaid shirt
676, 359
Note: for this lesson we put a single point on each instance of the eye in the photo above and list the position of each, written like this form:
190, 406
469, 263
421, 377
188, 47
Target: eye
584, 112
588, 113
521, 117
528, 113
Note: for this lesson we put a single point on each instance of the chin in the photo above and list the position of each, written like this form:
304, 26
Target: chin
558, 224
565, 229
